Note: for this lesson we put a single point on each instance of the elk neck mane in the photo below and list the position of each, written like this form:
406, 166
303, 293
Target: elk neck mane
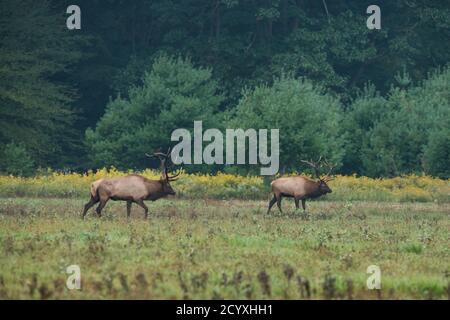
146, 179
309, 179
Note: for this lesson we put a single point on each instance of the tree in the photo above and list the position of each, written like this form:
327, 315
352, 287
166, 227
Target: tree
364, 112
174, 94
244, 43
15, 160
308, 118
247, 43
35, 108
411, 122
436, 154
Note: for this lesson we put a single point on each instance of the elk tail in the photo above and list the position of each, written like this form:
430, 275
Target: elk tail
94, 189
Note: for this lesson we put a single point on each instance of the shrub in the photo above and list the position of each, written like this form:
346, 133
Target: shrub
436, 156
408, 132
16, 160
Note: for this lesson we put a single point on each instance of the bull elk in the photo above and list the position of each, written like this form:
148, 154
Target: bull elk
301, 188
132, 188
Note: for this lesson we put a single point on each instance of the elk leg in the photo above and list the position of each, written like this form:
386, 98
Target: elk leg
271, 203
129, 203
100, 207
279, 202
89, 205
297, 205
304, 205
142, 204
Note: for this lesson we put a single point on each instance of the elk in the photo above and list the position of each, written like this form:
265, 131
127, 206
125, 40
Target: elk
301, 188
132, 188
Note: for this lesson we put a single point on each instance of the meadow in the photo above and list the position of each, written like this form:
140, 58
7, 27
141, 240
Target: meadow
224, 249
409, 188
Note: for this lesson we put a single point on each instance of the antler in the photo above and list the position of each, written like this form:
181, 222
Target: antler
162, 158
330, 169
160, 155
164, 168
314, 165
174, 177
318, 165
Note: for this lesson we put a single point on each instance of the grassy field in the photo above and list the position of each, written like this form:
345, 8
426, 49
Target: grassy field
203, 249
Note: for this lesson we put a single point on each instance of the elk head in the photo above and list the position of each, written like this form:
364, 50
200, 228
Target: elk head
322, 181
165, 164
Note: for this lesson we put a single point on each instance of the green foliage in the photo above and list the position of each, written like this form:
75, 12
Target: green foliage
131, 75
317, 50
416, 248
16, 160
35, 106
247, 43
404, 133
308, 119
365, 111
436, 155
174, 94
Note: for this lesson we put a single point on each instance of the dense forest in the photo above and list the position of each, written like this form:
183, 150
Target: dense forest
375, 102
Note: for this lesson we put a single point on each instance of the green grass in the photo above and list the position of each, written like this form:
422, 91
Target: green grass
203, 249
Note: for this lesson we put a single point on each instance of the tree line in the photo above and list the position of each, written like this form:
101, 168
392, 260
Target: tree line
375, 102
